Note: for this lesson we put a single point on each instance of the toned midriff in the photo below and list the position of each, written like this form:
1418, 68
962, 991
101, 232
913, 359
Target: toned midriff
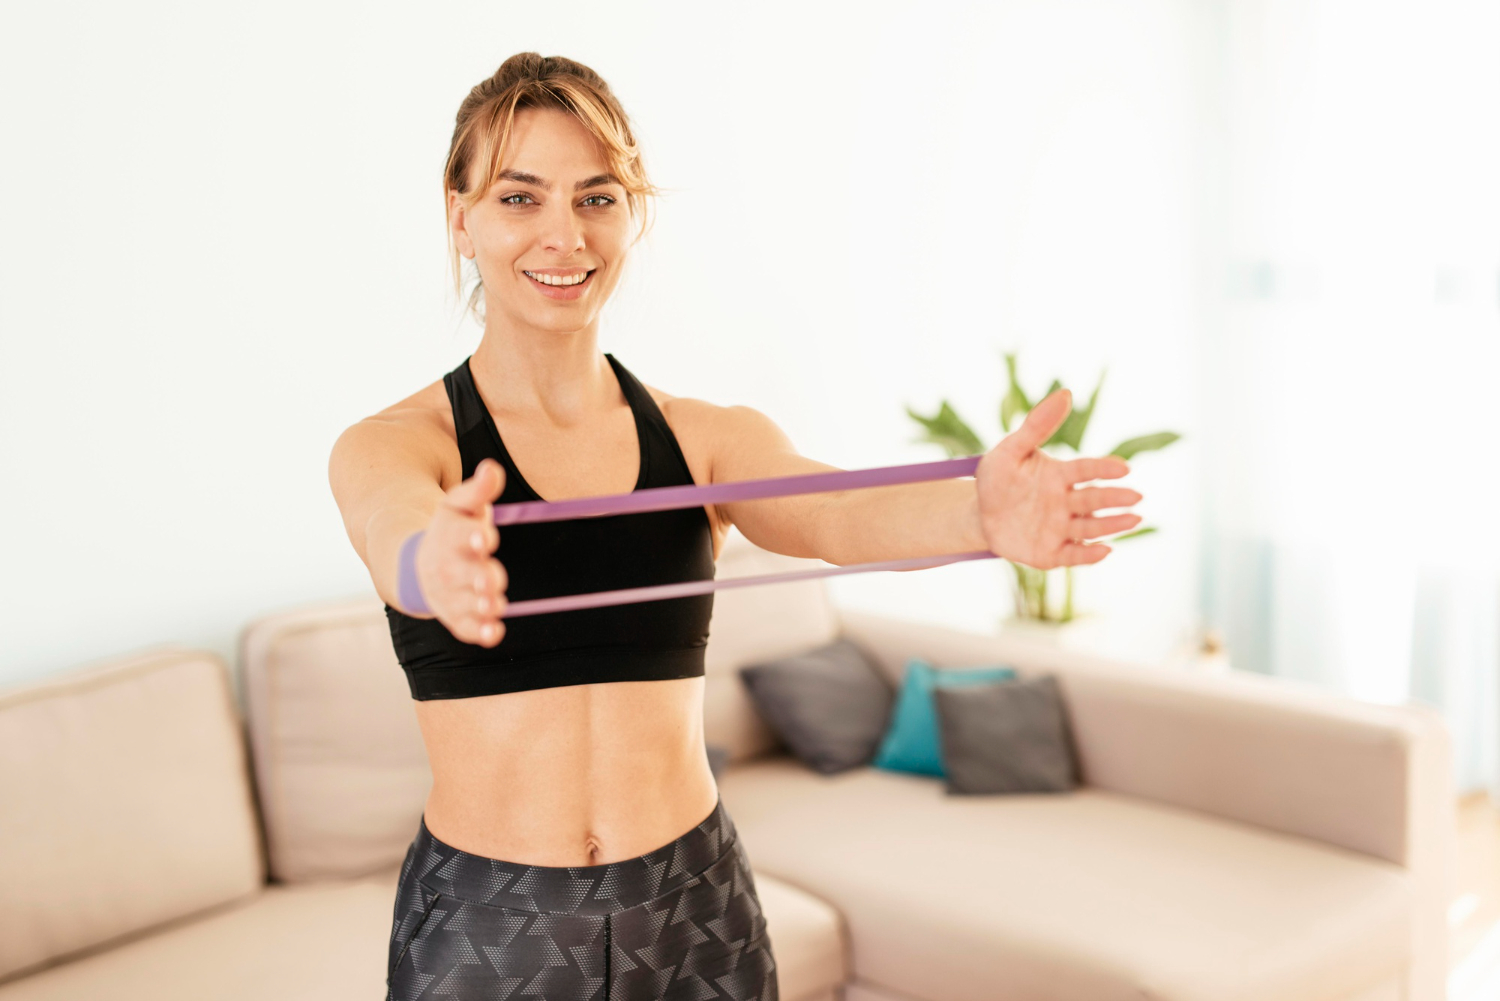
569, 776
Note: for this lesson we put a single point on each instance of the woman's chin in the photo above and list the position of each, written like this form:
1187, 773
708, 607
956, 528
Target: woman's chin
560, 321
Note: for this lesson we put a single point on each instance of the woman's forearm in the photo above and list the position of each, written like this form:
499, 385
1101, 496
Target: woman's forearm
899, 522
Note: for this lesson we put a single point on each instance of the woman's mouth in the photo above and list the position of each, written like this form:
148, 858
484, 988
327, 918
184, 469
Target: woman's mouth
560, 283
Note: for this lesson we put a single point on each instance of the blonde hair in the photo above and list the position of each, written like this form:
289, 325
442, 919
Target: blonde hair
487, 116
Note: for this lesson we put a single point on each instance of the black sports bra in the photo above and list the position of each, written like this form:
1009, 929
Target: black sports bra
646, 641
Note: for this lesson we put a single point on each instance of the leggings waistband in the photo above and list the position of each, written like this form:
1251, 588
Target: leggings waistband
589, 889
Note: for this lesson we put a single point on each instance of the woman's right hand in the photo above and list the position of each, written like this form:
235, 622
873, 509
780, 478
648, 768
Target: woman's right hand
462, 583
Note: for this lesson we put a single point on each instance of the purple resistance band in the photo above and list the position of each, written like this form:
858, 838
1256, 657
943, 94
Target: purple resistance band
408, 588
671, 498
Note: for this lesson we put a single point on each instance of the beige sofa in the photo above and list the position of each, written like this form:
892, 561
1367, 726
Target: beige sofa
1236, 837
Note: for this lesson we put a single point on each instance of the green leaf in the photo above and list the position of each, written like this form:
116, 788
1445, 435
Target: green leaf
948, 430
1145, 443
1077, 422
1014, 402
1147, 530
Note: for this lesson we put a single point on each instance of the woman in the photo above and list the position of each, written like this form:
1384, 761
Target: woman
573, 844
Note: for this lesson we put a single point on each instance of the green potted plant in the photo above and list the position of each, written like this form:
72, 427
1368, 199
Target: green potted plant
949, 431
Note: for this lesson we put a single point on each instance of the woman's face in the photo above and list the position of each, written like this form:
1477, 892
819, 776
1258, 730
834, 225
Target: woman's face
550, 236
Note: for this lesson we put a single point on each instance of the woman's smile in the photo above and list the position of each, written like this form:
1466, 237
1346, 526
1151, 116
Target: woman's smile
560, 283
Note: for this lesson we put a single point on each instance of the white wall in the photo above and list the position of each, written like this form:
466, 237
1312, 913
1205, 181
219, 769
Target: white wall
1355, 356
222, 243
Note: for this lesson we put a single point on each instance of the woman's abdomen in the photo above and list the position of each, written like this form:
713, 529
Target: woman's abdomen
568, 776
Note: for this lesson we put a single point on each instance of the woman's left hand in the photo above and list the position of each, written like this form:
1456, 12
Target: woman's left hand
1033, 508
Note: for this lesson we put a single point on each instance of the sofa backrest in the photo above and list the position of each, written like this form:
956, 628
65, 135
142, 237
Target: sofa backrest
125, 802
340, 765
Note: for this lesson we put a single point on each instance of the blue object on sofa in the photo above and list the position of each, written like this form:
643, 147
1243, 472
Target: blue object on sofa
911, 743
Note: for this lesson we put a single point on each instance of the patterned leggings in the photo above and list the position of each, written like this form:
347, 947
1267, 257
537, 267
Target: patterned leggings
680, 922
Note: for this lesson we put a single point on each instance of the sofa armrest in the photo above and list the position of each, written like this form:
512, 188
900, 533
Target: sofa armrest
1280, 754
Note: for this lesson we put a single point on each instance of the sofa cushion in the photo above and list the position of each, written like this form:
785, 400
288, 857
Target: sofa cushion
912, 742
327, 941
1084, 894
1008, 737
753, 625
125, 802
304, 942
807, 939
829, 705
339, 761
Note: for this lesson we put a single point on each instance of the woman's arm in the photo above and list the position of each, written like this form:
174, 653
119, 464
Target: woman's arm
387, 482
1022, 504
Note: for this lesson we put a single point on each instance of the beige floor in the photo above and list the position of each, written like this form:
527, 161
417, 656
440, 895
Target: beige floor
1474, 917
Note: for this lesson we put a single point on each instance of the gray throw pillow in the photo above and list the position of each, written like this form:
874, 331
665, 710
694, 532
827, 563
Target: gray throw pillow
1011, 736
829, 705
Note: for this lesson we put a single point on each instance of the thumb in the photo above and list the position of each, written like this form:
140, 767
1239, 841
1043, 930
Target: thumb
1043, 421
479, 490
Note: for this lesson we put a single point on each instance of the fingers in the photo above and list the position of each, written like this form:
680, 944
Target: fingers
1083, 527
479, 491
1109, 467
1080, 553
1045, 418
482, 536
484, 601
466, 586
1087, 500
488, 587
481, 631
483, 604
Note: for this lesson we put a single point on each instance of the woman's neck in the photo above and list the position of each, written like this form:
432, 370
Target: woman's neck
555, 376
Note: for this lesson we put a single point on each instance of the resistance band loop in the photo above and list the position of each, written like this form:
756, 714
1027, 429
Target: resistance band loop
671, 498
655, 592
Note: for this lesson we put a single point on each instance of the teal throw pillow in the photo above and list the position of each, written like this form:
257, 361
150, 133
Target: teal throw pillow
912, 742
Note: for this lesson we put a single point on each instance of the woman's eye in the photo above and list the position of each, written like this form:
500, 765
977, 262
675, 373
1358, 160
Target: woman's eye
515, 199
598, 200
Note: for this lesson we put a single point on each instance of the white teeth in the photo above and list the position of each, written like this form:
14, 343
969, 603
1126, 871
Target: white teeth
559, 279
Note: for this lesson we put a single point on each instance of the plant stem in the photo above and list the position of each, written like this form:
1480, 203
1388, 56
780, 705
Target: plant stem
1067, 612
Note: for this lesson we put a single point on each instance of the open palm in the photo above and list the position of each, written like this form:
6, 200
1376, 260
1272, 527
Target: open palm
1035, 510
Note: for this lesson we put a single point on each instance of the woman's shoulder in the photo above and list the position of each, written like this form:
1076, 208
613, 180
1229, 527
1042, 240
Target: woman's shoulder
424, 413
424, 407
704, 429
421, 424
690, 415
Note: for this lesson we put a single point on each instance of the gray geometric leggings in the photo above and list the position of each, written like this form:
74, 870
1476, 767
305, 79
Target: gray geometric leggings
680, 922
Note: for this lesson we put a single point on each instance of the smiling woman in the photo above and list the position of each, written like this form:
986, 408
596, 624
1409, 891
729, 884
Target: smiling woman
574, 844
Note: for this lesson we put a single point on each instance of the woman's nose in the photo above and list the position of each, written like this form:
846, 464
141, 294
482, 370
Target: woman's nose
562, 231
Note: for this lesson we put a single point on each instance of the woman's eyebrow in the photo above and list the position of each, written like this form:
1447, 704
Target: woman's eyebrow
522, 177
595, 181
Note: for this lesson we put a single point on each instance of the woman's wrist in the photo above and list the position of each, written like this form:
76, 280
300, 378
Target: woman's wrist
408, 587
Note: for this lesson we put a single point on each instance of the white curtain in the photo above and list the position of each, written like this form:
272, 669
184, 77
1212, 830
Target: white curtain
1352, 352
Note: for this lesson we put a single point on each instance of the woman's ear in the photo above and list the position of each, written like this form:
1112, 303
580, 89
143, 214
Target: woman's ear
458, 225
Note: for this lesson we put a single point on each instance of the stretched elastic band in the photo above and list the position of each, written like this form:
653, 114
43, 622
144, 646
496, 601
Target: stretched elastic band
671, 498
408, 588
656, 592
